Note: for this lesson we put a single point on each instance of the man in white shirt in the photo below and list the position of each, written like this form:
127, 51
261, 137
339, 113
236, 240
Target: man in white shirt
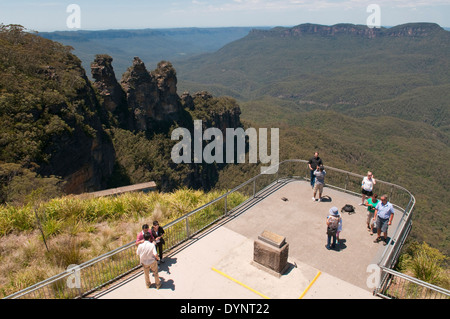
367, 186
148, 258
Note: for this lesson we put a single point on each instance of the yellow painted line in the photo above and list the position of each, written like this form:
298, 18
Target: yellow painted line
310, 284
240, 283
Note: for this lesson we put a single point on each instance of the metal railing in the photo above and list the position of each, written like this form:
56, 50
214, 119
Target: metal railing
401, 286
98, 272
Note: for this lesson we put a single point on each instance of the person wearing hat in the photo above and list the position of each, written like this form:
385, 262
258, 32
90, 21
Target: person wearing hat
333, 220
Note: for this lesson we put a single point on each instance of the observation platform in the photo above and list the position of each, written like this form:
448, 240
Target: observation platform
216, 263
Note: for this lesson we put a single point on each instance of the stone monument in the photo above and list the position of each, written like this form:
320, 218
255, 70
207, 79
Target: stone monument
271, 253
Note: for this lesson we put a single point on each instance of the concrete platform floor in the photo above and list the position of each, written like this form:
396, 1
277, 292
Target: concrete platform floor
217, 263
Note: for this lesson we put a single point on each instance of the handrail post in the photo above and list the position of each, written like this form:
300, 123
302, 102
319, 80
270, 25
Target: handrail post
187, 227
254, 188
346, 181
225, 212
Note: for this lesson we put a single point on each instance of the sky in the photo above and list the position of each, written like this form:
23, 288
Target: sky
52, 15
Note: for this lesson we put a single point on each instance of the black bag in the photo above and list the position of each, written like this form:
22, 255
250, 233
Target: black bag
348, 209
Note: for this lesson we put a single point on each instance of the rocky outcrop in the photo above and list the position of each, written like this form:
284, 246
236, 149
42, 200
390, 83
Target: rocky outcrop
151, 96
146, 101
141, 93
169, 102
113, 97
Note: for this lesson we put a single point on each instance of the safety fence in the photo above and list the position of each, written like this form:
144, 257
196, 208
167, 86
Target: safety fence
402, 286
80, 280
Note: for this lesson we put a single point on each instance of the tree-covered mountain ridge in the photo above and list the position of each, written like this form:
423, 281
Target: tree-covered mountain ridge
402, 71
404, 30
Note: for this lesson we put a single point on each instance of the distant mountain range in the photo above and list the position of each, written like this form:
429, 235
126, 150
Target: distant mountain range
151, 45
349, 68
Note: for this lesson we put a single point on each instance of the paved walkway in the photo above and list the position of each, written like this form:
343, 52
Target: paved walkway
217, 263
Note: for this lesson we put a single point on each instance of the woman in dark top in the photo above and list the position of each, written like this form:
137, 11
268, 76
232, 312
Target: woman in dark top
158, 232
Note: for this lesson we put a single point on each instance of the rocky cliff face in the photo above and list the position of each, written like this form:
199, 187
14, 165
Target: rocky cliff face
49, 113
114, 99
406, 30
169, 105
141, 94
154, 107
56, 122
413, 30
221, 113
84, 156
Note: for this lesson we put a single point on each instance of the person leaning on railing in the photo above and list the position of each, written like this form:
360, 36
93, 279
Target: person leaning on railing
157, 233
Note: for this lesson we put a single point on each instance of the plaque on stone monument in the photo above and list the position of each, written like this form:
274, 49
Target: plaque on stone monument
270, 253
272, 238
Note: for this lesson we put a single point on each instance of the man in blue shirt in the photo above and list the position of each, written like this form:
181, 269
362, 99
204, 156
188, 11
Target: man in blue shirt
384, 213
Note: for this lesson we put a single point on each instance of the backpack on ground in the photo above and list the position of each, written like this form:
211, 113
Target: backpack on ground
348, 209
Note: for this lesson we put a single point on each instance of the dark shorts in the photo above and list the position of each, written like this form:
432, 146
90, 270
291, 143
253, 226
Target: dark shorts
367, 193
382, 224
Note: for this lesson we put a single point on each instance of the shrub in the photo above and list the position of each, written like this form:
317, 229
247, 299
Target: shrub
425, 263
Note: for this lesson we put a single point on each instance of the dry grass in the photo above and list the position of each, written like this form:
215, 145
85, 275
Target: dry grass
78, 230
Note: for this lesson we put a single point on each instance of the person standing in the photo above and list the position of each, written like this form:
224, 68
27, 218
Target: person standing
313, 163
384, 213
367, 186
339, 229
319, 183
140, 235
333, 220
371, 204
157, 233
148, 257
